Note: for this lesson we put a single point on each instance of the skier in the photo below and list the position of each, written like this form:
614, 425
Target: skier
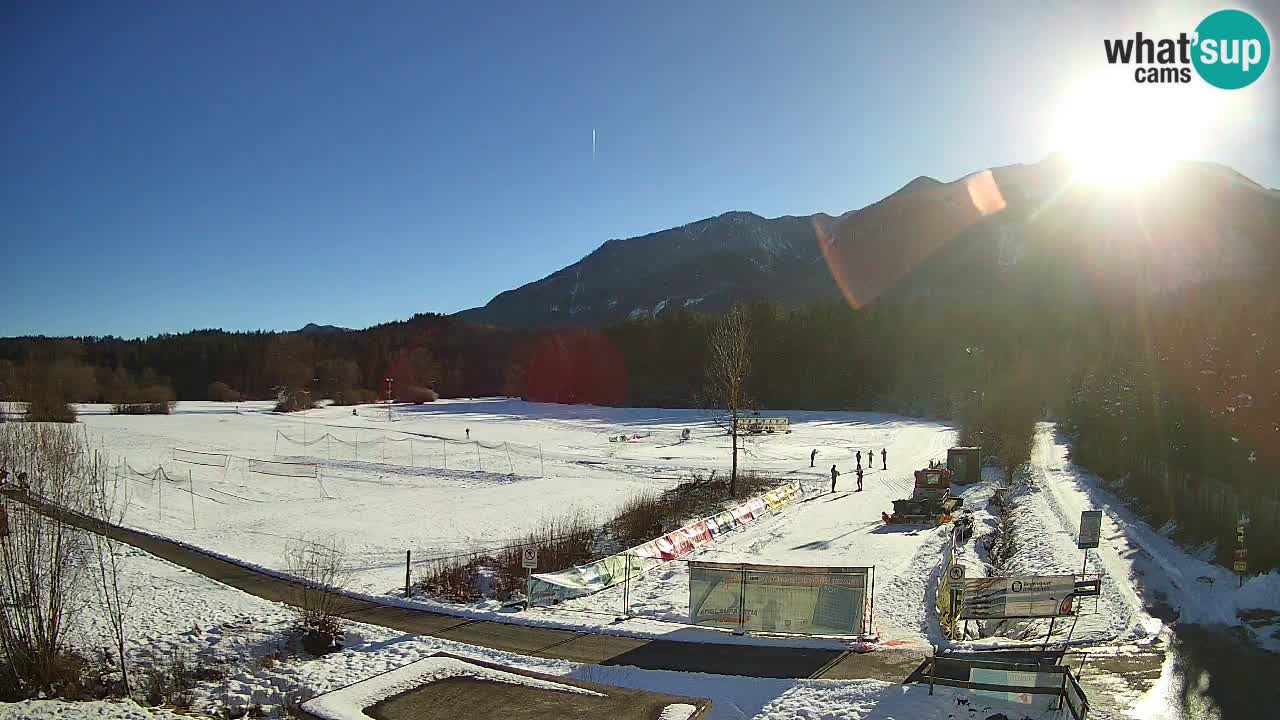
355, 412
834, 474
859, 479
468, 433
812, 455
859, 458
884, 458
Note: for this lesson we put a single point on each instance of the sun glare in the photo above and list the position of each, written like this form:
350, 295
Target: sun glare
1122, 136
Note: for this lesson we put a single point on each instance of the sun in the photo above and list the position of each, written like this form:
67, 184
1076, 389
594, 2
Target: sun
1123, 136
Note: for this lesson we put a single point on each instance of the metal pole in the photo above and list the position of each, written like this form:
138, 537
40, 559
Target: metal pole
407, 555
192, 485
412, 463
871, 620
275, 449
445, 443
742, 598
479, 462
1052, 620
542, 463
510, 465
626, 589
1085, 568
159, 491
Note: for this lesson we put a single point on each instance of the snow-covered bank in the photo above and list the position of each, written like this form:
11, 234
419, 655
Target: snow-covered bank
1141, 565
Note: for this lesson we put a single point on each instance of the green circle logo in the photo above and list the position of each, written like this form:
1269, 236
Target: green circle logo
1232, 49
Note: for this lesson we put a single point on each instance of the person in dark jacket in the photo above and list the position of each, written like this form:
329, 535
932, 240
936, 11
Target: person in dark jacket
813, 454
834, 474
884, 458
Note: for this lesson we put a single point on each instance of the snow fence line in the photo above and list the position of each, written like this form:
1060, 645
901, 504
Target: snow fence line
583, 580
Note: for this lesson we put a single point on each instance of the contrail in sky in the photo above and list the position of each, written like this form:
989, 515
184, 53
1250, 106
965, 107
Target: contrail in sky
593, 144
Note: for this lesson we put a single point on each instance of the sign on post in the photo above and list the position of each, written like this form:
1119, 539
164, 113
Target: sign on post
1090, 529
1240, 561
956, 573
1028, 596
529, 558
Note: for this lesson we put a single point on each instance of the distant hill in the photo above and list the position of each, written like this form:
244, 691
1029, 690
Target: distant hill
927, 239
314, 329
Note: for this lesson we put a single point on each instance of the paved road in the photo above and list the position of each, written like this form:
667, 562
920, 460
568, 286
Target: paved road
748, 660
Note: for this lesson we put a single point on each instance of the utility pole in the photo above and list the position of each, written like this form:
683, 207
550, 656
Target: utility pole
389, 396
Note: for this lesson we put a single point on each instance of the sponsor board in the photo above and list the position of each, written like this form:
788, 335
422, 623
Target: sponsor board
779, 598
763, 424
1027, 596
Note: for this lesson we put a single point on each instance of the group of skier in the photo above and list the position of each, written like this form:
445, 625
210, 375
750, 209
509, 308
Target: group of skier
871, 460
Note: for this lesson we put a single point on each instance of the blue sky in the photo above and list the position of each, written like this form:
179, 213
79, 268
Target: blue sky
264, 165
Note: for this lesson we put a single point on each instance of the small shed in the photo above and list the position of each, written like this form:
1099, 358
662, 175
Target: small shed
966, 464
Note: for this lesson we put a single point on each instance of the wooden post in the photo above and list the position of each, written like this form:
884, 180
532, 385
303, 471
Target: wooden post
407, 554
445, 443
479, 462
542, 463
412, 463
511, 466
275, 449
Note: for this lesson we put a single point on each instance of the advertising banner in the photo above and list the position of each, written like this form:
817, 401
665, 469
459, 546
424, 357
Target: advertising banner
779, 598
1029, 596
551, 588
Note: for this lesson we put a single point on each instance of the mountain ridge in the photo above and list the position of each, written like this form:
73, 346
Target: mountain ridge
888, 248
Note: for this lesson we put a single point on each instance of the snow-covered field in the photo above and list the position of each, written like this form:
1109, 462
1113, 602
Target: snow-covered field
538, 460
177, 613
382, 507
417, 484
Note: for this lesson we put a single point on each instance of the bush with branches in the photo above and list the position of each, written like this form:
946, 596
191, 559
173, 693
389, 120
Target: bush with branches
322, 573
222, 392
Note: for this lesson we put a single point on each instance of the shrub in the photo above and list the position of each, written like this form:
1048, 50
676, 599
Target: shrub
154, 399
417, 395
50, 408
321, 570
294, 401
222, 392
354, 396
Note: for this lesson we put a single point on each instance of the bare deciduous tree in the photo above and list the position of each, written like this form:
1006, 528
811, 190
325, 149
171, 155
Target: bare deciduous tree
108, 509
728, 364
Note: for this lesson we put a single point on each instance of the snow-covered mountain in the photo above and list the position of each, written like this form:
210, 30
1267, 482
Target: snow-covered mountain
1012, 225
